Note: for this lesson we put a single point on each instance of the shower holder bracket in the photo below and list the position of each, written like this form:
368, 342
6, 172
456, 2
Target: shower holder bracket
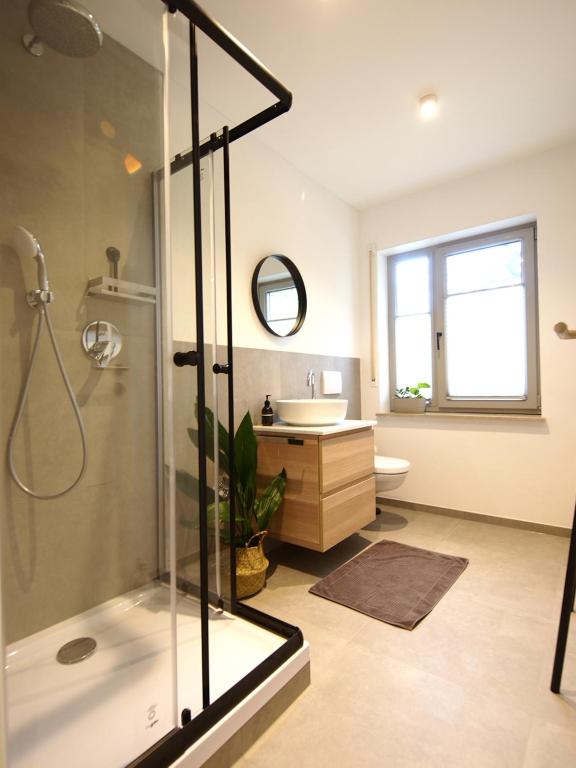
38, 297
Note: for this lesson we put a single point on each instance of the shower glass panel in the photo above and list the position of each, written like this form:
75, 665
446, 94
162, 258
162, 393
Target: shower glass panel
227, 637
89, 620
185, 438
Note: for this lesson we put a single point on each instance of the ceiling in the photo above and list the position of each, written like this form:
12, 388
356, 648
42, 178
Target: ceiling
504, 72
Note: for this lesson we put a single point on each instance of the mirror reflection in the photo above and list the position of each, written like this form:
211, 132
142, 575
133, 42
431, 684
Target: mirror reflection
279, 295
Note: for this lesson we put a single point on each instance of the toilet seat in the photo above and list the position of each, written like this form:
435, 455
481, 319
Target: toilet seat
388, 465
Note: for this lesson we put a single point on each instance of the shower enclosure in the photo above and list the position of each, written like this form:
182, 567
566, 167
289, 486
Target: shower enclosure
123, 638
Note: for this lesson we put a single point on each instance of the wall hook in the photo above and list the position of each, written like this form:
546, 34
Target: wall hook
562, 331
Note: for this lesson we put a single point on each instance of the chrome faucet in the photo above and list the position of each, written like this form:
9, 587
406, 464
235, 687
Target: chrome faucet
311, 382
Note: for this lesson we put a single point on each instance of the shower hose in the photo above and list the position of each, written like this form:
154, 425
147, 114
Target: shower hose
44, 319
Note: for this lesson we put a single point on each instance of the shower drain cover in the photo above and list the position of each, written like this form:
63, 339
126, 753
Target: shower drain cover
76, 650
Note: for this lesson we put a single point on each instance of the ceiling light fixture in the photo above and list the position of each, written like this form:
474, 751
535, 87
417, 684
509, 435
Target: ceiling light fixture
428, 106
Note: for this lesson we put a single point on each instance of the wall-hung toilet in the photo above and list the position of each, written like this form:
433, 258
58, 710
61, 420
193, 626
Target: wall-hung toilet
389, 473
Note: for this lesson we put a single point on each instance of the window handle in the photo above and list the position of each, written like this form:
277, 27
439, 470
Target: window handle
438, 337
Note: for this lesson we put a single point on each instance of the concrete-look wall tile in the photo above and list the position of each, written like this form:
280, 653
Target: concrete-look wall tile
66, 181
282, 375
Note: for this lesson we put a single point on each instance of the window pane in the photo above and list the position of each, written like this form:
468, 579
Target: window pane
492, 267
412, 286
413, 351
282, 304
486, 344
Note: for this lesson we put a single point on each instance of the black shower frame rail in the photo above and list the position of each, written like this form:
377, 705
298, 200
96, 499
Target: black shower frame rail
228, 43
568, 608
177, 741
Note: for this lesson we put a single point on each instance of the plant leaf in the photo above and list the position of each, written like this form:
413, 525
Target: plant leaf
269, 501
189, 485
246, 456
222, 439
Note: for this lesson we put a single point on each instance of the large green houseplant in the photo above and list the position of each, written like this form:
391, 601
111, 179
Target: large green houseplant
254, 507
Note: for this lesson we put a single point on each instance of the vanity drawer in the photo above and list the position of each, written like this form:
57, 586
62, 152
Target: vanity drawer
299, 457
345, 512
346, 458
297, 523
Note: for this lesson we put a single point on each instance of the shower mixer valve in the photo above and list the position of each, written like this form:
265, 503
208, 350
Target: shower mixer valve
102, 342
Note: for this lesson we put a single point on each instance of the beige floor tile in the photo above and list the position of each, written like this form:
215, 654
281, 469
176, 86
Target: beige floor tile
468, 686
559, 709
474, 645
419, 529
374, 711
550, 746
519, 571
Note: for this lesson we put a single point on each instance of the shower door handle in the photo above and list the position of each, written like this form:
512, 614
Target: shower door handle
186, 358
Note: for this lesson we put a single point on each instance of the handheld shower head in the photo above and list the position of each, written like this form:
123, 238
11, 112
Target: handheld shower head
29, 248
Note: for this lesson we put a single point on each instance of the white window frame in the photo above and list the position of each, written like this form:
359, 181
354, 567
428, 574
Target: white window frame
271, 286
437, 255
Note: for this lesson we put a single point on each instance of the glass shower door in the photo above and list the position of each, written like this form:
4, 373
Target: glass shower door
198, 566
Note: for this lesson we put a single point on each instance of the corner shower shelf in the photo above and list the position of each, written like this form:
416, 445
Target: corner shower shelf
121, 290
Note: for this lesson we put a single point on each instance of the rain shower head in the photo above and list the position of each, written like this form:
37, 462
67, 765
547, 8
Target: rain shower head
28, 247
64, 25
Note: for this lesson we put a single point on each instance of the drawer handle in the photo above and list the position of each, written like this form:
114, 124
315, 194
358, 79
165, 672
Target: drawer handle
295, 441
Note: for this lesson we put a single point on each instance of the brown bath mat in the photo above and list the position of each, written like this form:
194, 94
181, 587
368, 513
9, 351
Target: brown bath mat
392, 582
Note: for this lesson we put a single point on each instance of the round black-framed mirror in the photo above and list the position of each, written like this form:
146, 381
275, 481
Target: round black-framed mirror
279, 295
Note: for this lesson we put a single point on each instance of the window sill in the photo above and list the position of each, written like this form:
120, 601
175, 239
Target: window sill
467, 416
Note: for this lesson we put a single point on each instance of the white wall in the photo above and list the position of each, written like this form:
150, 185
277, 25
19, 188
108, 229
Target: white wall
275, 209
517, 470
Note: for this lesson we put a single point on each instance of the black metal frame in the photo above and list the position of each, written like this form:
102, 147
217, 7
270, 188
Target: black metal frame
300, 288
229, 340
224, 40
200, 368
175, 743
565, 613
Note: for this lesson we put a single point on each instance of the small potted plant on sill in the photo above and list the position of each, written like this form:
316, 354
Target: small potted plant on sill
410, 399
254, 507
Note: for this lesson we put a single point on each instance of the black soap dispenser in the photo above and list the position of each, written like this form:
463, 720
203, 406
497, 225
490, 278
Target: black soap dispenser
267, 413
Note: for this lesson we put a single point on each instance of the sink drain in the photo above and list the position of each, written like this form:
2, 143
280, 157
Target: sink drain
76, 650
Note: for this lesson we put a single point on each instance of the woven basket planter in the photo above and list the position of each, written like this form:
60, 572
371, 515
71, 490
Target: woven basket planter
251, 567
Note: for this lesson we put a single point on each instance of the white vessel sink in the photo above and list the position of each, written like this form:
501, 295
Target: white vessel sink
312, 413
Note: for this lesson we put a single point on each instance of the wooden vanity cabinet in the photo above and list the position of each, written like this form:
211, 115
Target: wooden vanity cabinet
330, 492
